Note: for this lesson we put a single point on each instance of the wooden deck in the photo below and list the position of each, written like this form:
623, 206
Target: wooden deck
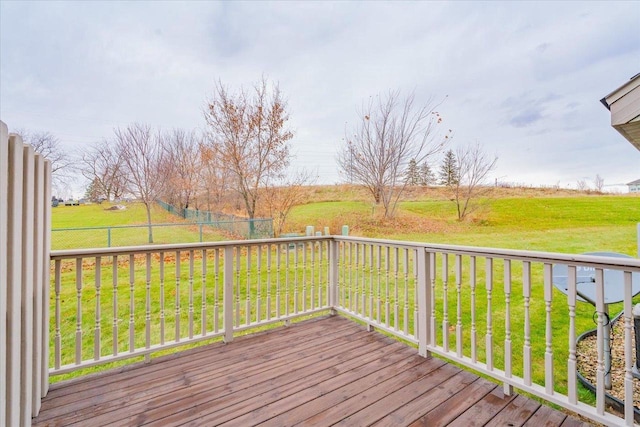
323, 371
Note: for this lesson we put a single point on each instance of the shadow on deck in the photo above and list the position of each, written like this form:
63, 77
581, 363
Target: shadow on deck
324, 371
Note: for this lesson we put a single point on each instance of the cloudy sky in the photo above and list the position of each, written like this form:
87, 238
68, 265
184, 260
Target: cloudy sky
523, 79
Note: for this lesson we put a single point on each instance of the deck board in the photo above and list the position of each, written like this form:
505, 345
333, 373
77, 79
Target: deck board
323, 371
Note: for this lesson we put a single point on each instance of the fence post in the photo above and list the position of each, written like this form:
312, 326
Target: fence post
108, 237
4, 196
333, 275
424, 301
200, 232
227, 296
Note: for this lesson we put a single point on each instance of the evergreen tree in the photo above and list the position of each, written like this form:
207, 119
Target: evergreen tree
412, 174
449, 174
426, 175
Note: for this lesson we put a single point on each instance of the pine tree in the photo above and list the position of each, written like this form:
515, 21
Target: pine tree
449, 174
412, 175
426, 175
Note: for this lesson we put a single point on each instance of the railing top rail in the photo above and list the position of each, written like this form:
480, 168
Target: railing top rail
631, 264
172, 247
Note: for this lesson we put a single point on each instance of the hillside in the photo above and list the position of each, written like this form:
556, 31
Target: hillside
520, 218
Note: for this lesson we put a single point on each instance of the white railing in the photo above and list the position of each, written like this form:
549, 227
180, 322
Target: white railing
133, 301
494, 311
24, 278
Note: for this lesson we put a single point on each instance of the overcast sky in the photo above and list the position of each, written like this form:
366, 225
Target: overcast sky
523, 79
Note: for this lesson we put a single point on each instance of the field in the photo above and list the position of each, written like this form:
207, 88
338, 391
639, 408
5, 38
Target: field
95, 225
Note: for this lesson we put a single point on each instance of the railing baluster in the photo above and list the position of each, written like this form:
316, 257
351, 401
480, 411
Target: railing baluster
356, 295
304, 275
269, 251
416, 317
602, 318
191, 271
489, 337
247, 306
177, 304
458, 268
114, 297
147, 318
238, 263
314, 247
507, 388
98, 318
78, 311
387, 305
432, 279
287, 285
405, 321
363, 294
379, 297
474, 330
296, 296
278, 259
132, 313
259, 284
628, 351
57, 336
370, 282
216, 290
526, 292
162, 320
203, 290
572, 363
548, 353
396, 308
445, 302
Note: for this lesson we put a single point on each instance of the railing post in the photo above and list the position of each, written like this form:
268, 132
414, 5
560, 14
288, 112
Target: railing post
424, 301
108, 237
200, 232
227, 294
333, 275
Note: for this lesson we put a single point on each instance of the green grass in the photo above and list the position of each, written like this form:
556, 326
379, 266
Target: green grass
67, 221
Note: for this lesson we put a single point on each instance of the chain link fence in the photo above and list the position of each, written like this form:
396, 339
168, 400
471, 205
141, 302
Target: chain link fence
257, 228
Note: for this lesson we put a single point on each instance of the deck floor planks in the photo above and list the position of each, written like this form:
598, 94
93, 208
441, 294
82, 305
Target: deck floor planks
319, 372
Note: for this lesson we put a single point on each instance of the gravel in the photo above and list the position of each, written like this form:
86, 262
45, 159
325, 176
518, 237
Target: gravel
587, 362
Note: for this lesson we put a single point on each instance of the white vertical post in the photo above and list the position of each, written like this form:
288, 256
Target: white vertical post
548, 354
507, 388
424, 301
46, 249
333, 275
40, 306
572, 364
26, 308
14, 280
600, 369
4, 196
628, 358
489, 335
227, 294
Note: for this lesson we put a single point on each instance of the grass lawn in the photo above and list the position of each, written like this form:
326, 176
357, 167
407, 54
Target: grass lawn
69, 223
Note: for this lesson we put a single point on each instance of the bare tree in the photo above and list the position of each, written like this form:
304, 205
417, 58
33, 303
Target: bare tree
249, 135
102, 166
598, 183
143, 159
280, 199
214, 178
582, 185
182, 167
474, 165
391, 131
49, 146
